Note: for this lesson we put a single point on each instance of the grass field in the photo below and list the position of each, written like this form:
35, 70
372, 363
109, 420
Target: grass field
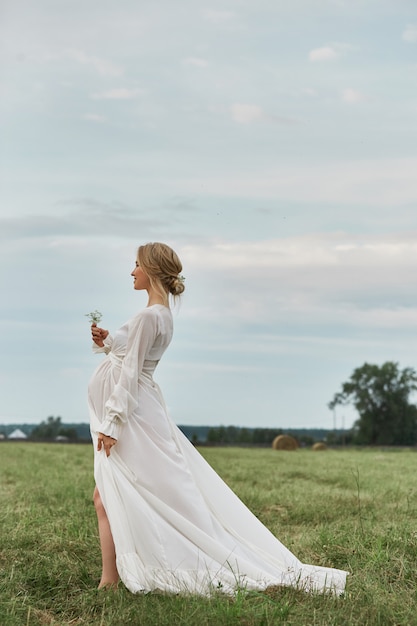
351, 509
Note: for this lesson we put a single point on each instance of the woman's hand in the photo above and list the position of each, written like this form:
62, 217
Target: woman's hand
98, 335
106, 442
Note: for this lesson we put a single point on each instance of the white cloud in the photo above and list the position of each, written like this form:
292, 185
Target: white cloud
76, 218
95, 117
352, 96
374, 182
327, 53
410, 33
196, 62
325, 250
331, 51
121, 93
335, 278
246, 113
102, 66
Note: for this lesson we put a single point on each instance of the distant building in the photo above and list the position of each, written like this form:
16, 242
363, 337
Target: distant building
17, 434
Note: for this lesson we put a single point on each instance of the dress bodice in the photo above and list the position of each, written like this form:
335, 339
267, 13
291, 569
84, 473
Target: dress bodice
158, 344
133, 354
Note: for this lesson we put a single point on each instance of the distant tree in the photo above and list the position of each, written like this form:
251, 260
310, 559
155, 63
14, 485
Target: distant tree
83, 431
47, 430
220, 435
223, 435
260, 436
70, 433
245, 436
213, 435
304, 440
380, 394
232, 434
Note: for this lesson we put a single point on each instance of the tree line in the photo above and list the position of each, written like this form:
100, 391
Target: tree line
381, 395
51, 429
263, 437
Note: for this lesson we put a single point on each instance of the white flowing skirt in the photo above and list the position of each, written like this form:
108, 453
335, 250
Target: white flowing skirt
176, 525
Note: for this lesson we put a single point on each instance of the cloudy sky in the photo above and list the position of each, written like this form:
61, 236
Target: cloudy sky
271, 143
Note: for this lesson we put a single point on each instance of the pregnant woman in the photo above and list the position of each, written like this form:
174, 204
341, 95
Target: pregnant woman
166, 520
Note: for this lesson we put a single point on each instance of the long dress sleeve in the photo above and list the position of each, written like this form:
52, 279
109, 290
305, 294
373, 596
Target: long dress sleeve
106, 348
142, 333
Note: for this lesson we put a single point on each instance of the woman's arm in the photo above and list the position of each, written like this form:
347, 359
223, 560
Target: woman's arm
142, 333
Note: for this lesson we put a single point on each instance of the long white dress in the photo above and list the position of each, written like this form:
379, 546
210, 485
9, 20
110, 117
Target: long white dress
176, 525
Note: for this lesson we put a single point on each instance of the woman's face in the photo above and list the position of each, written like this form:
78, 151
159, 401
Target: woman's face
140, 279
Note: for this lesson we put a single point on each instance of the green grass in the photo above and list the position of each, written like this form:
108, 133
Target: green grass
351, 509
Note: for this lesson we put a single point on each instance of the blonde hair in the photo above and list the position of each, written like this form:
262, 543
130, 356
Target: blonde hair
163, 267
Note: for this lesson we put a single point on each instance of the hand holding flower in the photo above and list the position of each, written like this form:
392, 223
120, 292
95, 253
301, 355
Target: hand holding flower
98, 334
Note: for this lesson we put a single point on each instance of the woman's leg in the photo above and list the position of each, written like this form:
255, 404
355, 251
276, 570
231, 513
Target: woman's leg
109, 575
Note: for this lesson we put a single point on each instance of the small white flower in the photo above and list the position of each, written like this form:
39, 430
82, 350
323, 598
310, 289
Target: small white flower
94, 317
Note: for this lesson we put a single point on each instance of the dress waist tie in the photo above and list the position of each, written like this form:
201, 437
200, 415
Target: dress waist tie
147, 369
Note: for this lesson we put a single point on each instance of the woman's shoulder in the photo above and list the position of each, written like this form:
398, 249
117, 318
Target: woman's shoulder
154, 310
155, 315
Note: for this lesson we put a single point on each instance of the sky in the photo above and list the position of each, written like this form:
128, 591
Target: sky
272, 144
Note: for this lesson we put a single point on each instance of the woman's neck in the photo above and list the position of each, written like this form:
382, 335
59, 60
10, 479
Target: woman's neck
156, 298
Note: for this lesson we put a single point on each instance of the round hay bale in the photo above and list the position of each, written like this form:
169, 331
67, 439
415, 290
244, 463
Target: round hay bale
319, 445
284, 442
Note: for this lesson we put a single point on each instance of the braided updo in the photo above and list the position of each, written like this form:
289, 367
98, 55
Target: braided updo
163, 267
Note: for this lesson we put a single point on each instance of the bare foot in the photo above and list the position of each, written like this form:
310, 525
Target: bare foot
108, 585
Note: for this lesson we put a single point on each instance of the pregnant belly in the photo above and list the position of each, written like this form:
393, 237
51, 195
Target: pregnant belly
101, 386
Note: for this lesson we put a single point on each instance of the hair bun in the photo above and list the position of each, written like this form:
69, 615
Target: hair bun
177, 285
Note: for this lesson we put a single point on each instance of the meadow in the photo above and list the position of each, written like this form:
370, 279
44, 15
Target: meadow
351, 509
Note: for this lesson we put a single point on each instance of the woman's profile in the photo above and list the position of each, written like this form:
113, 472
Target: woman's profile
166, 520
